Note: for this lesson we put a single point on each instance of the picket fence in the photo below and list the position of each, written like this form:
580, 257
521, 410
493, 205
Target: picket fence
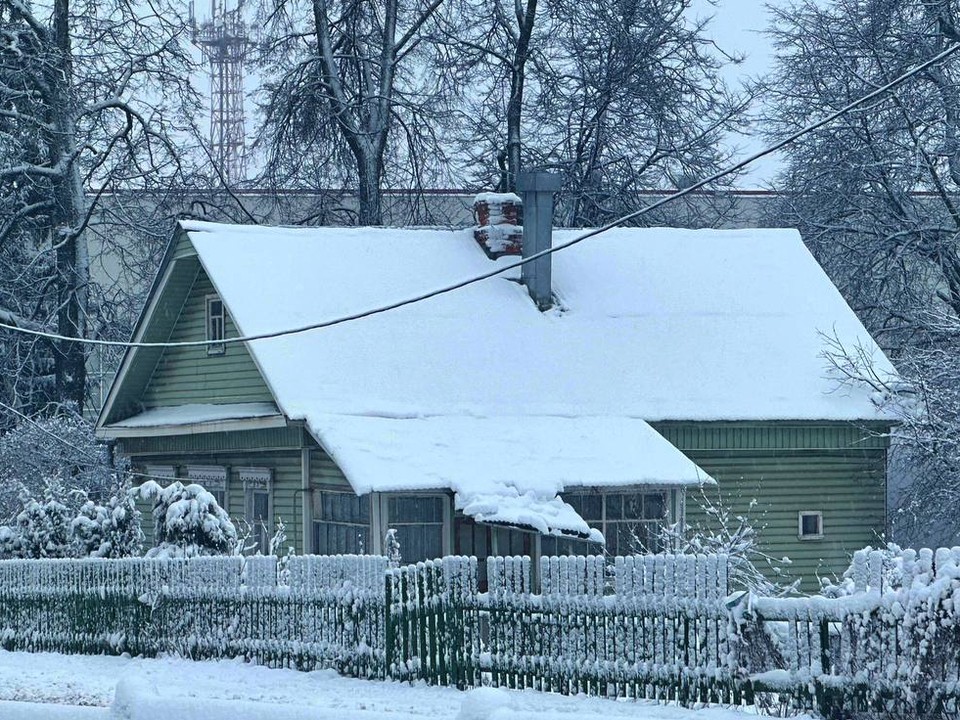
660, 627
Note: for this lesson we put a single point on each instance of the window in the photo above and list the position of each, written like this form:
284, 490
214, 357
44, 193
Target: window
216, 324
630, 522
418, 520
810, 525
342, 523
161, 474
257, 505
212, 478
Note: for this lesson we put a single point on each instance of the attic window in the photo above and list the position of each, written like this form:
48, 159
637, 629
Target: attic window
810, 525
216, 324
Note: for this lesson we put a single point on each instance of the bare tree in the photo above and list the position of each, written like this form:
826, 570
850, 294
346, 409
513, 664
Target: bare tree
620, 97
639, 104
343, 96
875, 195
92, 94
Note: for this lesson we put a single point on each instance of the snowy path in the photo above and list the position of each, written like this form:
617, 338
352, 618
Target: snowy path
76, 687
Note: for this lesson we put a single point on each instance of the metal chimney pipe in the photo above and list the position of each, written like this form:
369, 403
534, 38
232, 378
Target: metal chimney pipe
537, 189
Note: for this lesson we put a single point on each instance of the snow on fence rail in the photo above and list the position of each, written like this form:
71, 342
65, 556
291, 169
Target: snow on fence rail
643, 627
329, 615
890, 642
660, 627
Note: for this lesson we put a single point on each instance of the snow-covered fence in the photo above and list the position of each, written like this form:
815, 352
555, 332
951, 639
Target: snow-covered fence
653, 627
889, 640
330, 614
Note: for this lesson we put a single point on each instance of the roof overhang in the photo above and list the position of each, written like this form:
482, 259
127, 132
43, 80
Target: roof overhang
191, 419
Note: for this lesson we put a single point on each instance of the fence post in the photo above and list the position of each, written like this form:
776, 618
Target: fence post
389, 629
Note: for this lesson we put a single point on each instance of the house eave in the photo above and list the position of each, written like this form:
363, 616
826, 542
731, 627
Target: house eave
112, 432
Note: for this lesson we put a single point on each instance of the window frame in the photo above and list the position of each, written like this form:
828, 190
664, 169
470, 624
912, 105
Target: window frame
446, 523
801, 535
213, 478
209, 317
319, 518
257, 480
606, 523
160, 473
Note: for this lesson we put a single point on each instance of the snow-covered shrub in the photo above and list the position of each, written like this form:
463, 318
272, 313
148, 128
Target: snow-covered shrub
111, 530
735, 536
61, 446
10, 546
43, 527
891, 574
282, 551
392, 548
188, 521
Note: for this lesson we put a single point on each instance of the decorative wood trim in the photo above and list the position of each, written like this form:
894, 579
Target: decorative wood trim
258, 423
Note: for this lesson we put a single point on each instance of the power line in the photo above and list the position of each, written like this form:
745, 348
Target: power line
80, 450
943, 55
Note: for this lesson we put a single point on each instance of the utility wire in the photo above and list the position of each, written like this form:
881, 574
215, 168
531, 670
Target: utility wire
80, 450
940, 57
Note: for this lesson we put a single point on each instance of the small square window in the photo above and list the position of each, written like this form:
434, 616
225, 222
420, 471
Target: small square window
216, 325
810, 525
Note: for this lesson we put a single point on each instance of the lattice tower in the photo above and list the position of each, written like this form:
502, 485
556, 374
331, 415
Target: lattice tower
225, 43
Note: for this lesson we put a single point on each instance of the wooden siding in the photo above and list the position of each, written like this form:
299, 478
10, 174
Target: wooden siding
833, 468
324, 472
287, 495
189, 375
221, 442
143, 361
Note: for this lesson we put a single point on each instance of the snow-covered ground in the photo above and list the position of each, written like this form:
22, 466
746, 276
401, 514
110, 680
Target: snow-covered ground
75, 687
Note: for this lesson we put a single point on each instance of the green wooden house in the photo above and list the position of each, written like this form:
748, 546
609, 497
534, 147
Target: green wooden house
477, 422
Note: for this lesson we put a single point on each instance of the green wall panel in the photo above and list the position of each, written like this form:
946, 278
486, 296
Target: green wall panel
287, 495
836, 469
189, 375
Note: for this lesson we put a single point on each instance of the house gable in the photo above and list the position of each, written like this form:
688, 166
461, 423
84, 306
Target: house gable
185, 375
162, 377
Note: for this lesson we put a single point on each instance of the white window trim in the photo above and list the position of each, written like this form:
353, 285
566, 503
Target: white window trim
162, 474
212, 477
220, 348
807, 513
258, 479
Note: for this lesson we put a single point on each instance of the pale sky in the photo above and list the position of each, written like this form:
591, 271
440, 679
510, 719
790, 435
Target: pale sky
737, 27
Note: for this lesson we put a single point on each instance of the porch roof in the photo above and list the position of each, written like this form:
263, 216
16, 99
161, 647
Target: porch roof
506, 469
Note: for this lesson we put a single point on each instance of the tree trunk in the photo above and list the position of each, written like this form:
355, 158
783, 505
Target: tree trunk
369, 211
72, 262
515, 104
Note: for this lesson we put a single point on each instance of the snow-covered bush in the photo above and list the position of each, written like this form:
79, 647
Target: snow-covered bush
188, 521
111, 530
61, 446
392, 548
43, 527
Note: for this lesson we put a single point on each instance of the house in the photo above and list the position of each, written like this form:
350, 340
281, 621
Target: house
587, 398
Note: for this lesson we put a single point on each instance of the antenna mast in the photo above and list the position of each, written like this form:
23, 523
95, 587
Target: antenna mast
224, 42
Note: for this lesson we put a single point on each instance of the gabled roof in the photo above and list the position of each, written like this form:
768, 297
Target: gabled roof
479, 392
653, 324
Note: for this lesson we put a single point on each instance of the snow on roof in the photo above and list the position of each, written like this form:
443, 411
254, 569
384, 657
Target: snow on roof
653, 324
196, 413
504, 469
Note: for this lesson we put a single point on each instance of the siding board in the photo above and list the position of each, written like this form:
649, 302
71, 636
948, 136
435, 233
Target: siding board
189, 375
836, 468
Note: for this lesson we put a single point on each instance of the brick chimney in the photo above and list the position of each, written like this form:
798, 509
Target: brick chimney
537, 189
498, 216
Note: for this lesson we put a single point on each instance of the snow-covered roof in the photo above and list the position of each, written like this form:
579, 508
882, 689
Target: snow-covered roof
505, 469
652, 325
194, 413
